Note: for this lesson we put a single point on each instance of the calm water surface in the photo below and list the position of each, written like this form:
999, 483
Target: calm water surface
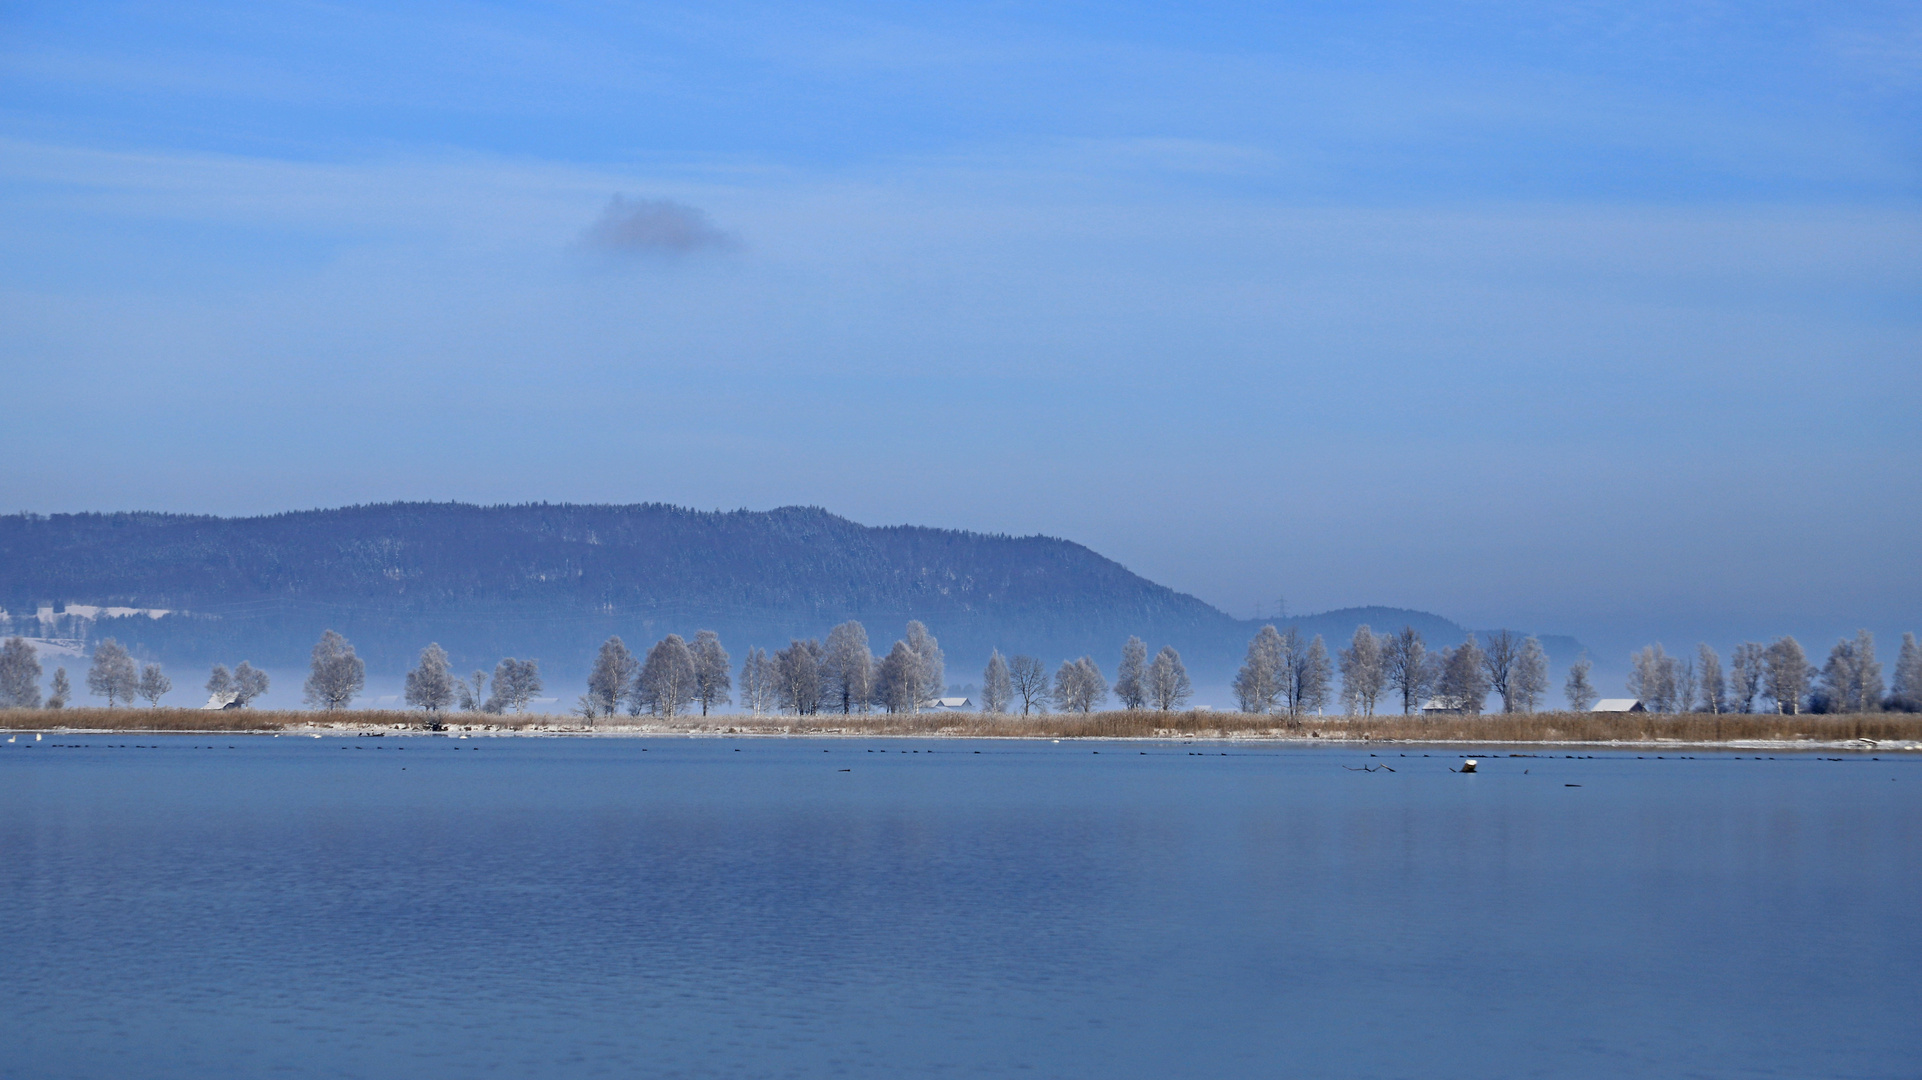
426, 907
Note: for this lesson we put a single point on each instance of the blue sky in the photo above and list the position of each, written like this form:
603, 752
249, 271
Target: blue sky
1595, 319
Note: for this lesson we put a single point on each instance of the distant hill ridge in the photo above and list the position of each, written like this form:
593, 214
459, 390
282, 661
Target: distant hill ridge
551, 580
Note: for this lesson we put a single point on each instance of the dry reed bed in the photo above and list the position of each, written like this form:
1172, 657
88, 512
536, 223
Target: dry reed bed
1116, 724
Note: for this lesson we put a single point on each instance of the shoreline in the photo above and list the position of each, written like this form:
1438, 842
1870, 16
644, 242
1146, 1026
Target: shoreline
1860, 733
1857, 746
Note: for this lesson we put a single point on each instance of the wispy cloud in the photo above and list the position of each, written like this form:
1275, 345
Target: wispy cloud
654, 227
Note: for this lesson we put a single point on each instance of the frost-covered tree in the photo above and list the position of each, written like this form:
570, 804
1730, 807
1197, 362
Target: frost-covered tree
1409, 674
665, 685
154, 684
61, 690
1580, 693
430, 685
1655, 678
711, 679
934, 671
250, 683
611, 677
516, 682
335, 675
797, 677
1309, 674
997, 686
113, 674
849, 668
1168, 685
1362, 673
1030, 681
1079, 685
1905, 687
1852, 678
1714, 687
1528, 682
1786, 680
220, 685
1463, 679
1498, 666
897, 680
1258, 685
757, 682
1746, 668
19, 675
1129, 686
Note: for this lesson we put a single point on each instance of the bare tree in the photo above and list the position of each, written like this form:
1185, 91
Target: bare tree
934, 672
516, 682
19, 675
62, 691
757, 682
997, 687
1786, 681
665, 684
1362, 672
1714, 688
711, 679
1129, 687
1852, 678
1079, 685
468, 691
430, 685
1905, 688
1498, 665
1463, 682
1409, 673
1168, 685
1581, 695
1258, 685
1030, 682
1746, 668
154, 684
613, 674
797, 677
897, 681
335, 676
1528, 682
112, 674
849, 668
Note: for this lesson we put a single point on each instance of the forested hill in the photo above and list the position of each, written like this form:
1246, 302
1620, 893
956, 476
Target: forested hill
553, 580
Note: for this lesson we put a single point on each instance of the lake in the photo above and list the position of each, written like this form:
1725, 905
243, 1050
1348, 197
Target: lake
195, 906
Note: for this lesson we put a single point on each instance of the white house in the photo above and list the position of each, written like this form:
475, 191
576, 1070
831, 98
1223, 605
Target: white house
1619, 704
1442, 707
950, 704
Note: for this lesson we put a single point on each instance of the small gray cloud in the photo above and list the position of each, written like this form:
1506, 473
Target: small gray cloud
654, 227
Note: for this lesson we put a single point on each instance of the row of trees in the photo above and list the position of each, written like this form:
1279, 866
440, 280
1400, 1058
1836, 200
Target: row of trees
807, 677
842, 674
1284, 673
1779, 673
114, 675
